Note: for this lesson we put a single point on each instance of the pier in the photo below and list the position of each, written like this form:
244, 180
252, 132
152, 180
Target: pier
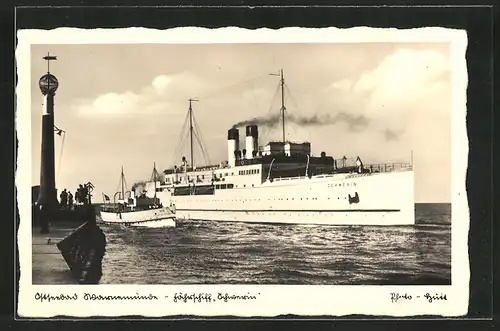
71, 252
48, 265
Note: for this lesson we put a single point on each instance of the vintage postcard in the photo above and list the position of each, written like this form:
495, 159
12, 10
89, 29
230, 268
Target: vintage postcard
232, 172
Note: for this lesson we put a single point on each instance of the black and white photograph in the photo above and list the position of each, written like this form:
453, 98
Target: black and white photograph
242, 167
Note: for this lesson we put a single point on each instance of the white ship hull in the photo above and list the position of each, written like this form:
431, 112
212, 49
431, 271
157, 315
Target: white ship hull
303, 217
384, 199
161, 217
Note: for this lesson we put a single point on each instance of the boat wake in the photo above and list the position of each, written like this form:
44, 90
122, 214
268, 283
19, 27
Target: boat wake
164, 223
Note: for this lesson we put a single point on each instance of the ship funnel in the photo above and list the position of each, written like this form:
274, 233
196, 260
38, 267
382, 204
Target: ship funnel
233, 144
252, 140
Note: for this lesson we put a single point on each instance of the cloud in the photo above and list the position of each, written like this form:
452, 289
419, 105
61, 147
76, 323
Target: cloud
407, 83
407, 98
114, 104
164, 95
405, 70
151, 99
161, 82
384, 100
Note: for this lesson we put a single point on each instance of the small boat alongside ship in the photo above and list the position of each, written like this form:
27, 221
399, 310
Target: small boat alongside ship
137, 210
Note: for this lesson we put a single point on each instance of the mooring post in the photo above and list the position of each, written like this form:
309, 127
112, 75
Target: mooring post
43, 219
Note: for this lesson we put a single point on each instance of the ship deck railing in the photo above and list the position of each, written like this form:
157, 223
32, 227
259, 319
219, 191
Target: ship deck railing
289, 178
323, 176
111, 207
182, 170
387, 167
368, 169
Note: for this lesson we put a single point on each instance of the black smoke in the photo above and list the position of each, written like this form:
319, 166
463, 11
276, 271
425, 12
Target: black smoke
137, 185
269, 121
355, 123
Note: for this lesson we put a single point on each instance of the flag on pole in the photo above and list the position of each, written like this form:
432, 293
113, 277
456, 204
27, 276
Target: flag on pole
360, 164
59, 131
106, 198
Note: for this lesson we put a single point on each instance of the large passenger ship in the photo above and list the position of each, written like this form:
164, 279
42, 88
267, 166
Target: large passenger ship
282, 182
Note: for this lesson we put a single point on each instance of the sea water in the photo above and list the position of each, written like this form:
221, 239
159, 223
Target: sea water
206, 252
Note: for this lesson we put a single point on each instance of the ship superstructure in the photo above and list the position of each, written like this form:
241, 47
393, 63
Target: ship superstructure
282, 182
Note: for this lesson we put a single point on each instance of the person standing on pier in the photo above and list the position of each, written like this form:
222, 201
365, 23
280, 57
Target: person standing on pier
70, 200
85, 195
64, 198
78, 198
81, 194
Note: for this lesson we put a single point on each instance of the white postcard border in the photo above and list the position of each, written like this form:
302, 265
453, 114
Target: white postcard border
271, 300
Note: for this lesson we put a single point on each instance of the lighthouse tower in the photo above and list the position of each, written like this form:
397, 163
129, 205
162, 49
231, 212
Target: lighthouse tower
47, 201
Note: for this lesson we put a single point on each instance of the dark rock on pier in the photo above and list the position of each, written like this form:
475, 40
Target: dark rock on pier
83, 251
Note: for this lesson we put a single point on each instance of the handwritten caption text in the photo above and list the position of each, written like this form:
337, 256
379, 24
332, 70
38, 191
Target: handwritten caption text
178, 297
429, 297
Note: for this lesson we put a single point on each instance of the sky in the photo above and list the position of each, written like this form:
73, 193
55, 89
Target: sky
126, 104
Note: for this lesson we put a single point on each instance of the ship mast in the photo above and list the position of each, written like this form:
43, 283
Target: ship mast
191, 131
123, 184
154, 176
283, 103
283, 108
